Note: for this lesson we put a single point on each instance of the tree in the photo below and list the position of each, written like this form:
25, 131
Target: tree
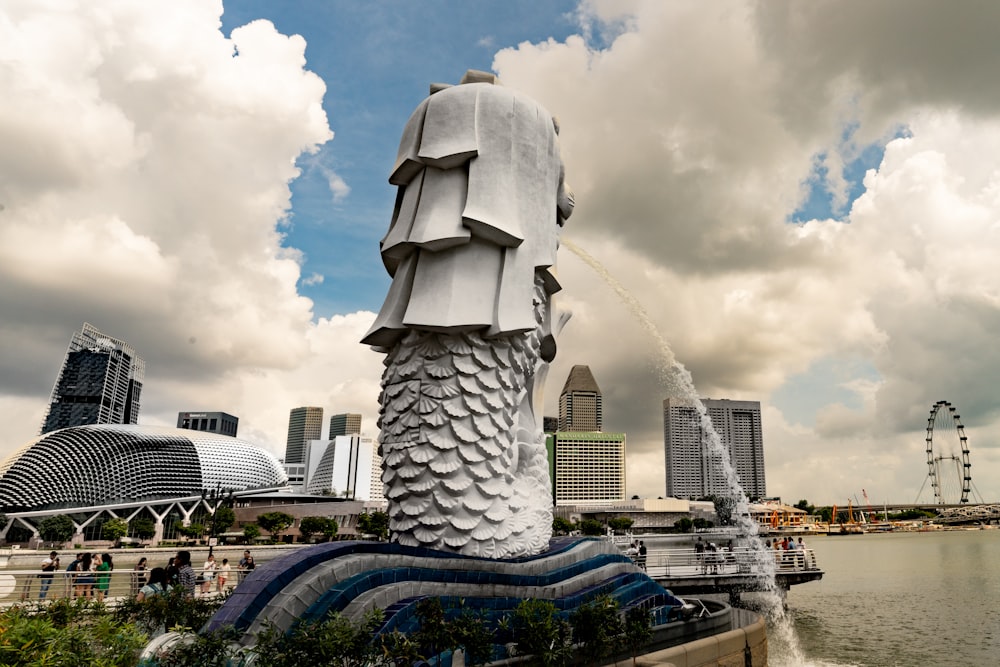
274, 523
114, 529
701, 522
3, 520
330, 530
804, 505
313, 525
221, 521
638, 629
724, 506
251, 532
374, 523
684, 524
591, 527
539, 631
620, 524
596, 627
192, 531
142, 528
58, 528
561, 526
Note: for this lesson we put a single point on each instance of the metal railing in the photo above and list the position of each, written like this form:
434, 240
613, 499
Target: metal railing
33, 586
689, 563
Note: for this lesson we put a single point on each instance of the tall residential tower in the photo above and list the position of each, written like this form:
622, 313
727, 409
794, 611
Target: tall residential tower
99, 383
691, 470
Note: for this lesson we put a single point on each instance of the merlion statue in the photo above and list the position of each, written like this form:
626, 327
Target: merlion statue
467, 324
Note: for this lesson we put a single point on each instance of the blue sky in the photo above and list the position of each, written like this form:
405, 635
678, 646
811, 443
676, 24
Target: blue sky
377, 60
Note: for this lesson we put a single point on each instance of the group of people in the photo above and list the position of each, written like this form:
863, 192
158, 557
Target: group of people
791, 551
710, 556
786, 544
637, 552
180, 573
89, 575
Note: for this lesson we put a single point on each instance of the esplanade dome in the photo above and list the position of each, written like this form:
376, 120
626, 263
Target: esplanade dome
101, 464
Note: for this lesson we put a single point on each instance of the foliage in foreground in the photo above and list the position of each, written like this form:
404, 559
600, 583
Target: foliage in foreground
80, 633
66, 633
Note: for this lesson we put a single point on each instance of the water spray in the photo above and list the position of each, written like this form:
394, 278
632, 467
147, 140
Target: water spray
678, 381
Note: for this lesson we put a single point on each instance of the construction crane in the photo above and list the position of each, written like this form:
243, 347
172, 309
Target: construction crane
871, 512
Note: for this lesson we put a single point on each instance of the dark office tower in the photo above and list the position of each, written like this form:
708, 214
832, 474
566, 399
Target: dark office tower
304, 424
692, 471
345, 424
99, 383
210, 422
580, 402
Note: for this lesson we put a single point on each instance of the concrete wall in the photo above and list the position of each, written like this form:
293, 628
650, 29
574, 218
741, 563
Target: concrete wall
727, 649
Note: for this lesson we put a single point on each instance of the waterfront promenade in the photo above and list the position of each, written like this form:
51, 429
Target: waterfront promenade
686, 572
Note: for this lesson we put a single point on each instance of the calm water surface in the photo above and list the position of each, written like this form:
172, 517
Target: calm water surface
898, 599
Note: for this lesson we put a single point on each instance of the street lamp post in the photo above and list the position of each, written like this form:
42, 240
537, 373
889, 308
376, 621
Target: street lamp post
220, 499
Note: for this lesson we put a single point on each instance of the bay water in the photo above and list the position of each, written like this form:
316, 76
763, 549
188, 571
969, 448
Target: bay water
898, 600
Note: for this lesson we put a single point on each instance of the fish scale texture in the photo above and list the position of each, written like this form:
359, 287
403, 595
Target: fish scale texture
464, 464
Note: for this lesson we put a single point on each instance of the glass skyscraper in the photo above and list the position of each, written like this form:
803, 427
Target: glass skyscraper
99, 383
304, 424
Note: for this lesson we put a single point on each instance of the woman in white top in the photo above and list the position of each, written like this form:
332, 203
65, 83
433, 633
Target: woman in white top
207, 574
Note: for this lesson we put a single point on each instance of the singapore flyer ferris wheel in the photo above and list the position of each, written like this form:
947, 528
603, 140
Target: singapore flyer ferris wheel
948, 466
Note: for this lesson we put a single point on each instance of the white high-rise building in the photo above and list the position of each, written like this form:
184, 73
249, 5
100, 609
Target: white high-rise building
350, 467
589, 467
691, 471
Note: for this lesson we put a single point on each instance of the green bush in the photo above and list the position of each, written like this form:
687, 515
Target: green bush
67, 634
540, 633
596, 628
334, 641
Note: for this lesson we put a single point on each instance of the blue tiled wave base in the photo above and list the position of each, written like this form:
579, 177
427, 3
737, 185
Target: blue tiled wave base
353, 578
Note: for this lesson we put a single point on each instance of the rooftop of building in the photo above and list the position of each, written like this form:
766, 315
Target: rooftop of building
580, 379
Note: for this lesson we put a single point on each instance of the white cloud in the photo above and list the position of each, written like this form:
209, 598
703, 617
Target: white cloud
688, 139
313, 279
144, 174
338, 188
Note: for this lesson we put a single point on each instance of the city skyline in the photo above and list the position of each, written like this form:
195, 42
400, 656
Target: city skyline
801, 196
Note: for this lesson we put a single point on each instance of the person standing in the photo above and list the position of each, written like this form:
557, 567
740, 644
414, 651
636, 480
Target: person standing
642, 554
186, 578
223, 576
713, 558
246, 564
104, 568
699, 554
49, 565
207, 574
139, 576
70, 576
83, 584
